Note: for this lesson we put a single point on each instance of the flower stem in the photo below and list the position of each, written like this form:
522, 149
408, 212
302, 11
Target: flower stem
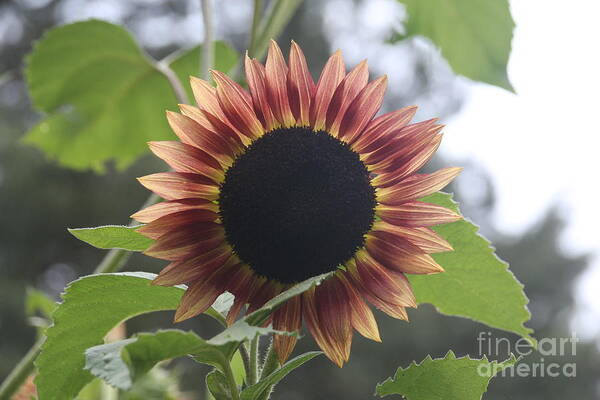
270, 365
21, 371
245, 359
208, 47
235, 394
258, 8
279, 15
253, 373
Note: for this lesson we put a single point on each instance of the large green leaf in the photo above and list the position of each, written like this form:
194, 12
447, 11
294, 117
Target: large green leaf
473, 35
476, 283
91, 307
447, 378
119, 363
104, 97
113, 237
253, 392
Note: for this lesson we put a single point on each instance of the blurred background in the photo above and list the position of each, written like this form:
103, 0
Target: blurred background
530, 179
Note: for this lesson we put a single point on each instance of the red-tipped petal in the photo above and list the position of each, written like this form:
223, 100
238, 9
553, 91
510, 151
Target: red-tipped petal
362, 317
255, 76
192, 133
362, 109
424, 238
183, 243
161, 209
287, 318
175, 221
301, 87
316, 328
416, 214
401, 255
276, 74
193, 269
178, 185
333, 308
213, 124
185, 158
237, 105
417, 186
346, 92
380, 130
332, 74
384, 283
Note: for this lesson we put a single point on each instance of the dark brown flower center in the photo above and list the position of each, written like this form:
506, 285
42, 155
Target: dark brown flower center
296, 204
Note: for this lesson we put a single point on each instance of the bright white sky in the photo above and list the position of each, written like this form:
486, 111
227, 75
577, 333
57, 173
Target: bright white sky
540, 145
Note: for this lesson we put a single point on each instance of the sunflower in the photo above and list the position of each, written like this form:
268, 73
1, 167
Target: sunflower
291, 179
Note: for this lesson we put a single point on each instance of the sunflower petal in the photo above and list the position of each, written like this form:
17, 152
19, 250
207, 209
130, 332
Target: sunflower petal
401, 256
417, 186
346, 92
185, 158
333, 307
163, 208
287, 318
416, 213
237, 105
276, 74
424, 238
185, 242
362, 109
379, 131
332, 74
213, 125
179, 185
255, 76
301, 87
175, 221
362, 317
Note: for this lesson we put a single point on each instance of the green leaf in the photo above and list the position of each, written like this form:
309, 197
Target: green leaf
38, 301
253, 392
92, 306
473, 35
103, 95
113, 237
120, 363
476, 283
218, 386
447, 378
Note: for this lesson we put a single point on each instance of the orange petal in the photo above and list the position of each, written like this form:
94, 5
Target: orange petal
213, 125
192, 133
362, 317
401, 255
287, 318
408, 165
161, 209
332, 74
381, 282
301, 87
186, 242
379, 131
316, 328
333, 308
416, 213
185, 158
424, 238
346, 92
179, 185
206, 97
194, 268
362, 109
255, 76
276, 74
237, 105
179, 220
417, 186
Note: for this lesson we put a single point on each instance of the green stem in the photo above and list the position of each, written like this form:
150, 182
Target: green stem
21, 371
279, 15
253, 373
208, 47
245, 359
258, 8
270, 365
235, 394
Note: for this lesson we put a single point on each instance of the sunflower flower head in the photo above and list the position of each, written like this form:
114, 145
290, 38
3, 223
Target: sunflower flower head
291, 179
